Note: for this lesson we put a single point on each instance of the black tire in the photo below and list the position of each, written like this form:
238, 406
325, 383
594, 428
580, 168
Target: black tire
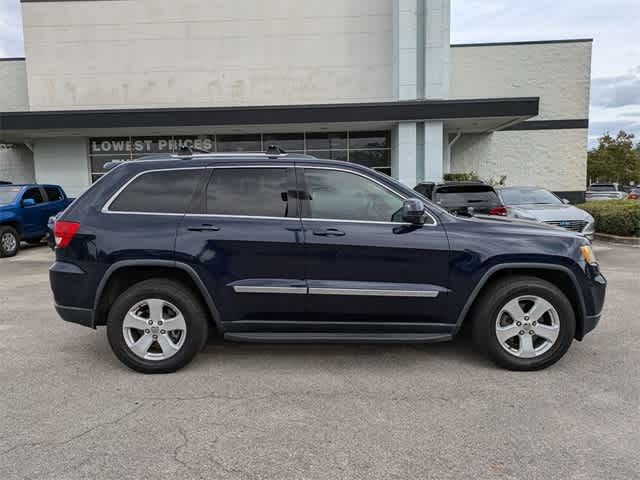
9, 252
496, 296
192, 310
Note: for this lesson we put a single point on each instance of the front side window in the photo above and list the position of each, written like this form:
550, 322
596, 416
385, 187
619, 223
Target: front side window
339, 195
167, 191
254, 192
33, 193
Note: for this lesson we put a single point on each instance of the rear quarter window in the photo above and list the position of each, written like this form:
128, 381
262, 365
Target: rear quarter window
158, 192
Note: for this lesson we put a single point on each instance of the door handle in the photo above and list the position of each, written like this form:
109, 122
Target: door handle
329, 232
205, 227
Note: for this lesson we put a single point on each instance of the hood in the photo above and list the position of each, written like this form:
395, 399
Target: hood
550, 212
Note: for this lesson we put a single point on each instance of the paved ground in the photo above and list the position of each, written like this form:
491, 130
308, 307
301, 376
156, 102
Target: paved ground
70, 410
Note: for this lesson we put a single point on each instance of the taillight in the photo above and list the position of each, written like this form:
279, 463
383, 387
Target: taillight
64, 232
500, 211
632, 196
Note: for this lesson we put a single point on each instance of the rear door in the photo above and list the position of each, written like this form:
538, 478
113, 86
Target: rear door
55, 199
366, 269
243, 237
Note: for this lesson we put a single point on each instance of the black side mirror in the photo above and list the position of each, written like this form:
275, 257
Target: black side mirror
413, 211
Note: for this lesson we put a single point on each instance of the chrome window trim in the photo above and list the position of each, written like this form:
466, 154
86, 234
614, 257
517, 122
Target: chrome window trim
398, 194
373, 292
105, 208
285, 290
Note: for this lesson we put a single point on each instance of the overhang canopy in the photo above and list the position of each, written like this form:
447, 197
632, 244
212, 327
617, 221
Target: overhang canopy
468, 115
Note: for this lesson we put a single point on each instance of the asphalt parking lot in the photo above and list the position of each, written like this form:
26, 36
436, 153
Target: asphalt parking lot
70, 410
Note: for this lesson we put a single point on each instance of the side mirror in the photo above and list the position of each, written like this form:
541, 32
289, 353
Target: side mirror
565, 201
413, 211
28, 202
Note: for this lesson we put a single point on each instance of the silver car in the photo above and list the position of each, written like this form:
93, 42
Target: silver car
540, 205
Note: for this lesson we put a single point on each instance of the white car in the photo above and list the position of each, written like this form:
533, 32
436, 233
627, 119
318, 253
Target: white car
540, 205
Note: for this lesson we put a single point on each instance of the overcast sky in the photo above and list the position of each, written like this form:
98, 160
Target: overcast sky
613, 24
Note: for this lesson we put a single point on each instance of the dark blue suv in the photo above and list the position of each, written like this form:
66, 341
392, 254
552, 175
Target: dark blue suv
276, 247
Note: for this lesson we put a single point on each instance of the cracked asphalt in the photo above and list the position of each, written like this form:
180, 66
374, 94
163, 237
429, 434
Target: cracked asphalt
70, 410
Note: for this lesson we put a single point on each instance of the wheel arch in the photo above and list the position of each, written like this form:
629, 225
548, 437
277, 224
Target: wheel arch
559, 275
13, 223
123, 274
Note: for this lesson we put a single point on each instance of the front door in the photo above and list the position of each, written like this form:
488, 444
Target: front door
244, 238
366, 269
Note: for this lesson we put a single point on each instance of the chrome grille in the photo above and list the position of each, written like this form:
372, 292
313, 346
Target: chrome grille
574, 225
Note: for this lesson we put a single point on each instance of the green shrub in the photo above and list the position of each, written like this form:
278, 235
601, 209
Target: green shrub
461, 177
615, 217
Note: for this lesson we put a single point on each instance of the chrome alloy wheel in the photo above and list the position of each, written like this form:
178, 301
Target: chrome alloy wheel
154, 329
8, 242
527, 326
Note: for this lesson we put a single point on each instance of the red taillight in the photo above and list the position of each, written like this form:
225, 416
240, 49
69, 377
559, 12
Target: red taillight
500, 211
632, 196
64, 232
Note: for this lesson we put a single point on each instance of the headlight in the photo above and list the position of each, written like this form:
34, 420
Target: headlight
588, 255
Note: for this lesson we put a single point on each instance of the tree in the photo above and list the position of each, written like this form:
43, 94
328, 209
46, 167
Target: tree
614, 160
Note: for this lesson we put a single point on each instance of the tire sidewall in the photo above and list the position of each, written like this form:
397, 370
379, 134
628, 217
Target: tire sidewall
565, 336
194, 316
12, 231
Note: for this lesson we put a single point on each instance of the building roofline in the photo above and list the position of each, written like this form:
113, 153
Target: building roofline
12, 59
394, 111
526, 42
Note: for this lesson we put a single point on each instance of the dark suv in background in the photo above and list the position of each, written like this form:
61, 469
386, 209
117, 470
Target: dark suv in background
464, 198
289, 248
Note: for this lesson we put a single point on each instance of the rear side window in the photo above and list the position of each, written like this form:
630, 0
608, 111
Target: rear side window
466, 196
257, 192
158, 192
33, 193
53, 194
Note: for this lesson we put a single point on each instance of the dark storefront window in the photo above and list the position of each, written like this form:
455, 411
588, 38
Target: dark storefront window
372, 149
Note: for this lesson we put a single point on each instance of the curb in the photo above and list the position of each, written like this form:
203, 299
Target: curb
617, 239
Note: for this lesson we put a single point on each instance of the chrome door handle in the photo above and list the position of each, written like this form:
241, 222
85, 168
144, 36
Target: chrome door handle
205, 227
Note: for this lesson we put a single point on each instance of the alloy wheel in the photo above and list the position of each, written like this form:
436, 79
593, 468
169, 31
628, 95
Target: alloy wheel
154, 329
527, 326
8, 242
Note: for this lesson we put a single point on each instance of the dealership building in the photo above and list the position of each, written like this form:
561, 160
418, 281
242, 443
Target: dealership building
375, 82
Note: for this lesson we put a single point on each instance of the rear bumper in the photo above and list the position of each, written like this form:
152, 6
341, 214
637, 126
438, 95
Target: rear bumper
81, 316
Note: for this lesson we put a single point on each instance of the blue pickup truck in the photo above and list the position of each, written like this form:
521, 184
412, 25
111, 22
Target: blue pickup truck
24, 212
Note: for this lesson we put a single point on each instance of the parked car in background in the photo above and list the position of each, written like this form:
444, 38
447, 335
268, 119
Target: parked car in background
463, 198
634, 194
290, 248
603, 191
540, 205
24, 213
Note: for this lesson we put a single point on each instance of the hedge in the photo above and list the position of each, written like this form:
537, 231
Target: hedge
615, 217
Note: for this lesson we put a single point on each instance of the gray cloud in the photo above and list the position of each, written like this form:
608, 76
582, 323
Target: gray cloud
616, 91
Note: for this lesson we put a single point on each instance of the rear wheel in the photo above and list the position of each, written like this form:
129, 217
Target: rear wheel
157, 326
9, 241
524, 323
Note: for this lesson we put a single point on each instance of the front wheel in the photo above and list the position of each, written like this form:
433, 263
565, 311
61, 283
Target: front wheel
157, 326
9, 241
524, 323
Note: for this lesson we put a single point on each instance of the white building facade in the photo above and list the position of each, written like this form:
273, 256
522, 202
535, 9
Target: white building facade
375, 82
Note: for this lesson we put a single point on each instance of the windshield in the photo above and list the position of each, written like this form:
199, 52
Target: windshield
8, 195
529, 197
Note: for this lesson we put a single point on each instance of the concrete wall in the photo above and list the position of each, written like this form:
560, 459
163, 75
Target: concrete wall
13, 86
553, 159
62, 161
16, 163
558, 73
161, 53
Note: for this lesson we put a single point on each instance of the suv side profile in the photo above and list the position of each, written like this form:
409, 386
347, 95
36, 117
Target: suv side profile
276, 248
